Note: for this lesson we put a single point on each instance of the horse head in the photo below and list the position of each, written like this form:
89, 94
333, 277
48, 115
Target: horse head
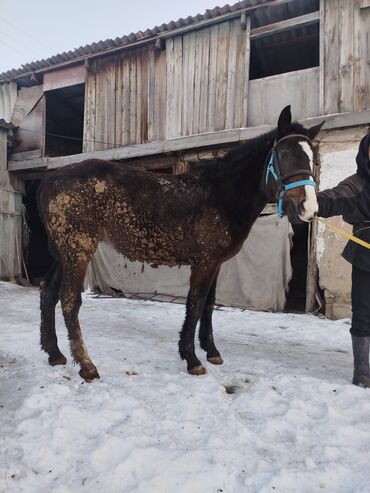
289, 169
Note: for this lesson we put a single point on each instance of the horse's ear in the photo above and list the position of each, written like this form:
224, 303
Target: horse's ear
284, 122
313, 131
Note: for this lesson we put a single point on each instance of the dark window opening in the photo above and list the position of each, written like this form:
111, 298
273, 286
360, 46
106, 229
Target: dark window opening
296, 296
285, 51
37, 256
64, 120
270, 14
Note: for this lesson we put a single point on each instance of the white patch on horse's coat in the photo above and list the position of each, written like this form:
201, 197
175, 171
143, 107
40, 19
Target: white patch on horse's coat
306, 148
310, 205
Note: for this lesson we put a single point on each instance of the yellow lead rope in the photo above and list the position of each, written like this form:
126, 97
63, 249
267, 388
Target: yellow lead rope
344, 233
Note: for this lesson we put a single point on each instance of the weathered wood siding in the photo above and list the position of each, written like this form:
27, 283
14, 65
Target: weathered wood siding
197, 84
345, 56
117, 102
10, 217
299, 89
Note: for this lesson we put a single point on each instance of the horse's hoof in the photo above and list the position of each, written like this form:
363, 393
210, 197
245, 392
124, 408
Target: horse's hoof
62, 360
361, 381
216, 360
88, 374
197, 370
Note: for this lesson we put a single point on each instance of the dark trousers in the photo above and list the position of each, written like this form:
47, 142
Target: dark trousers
360, 302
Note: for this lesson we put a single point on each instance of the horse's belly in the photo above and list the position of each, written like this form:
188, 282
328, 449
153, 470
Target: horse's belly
159, 249
139, 236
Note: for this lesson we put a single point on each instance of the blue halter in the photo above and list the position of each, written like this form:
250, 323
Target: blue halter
274, 170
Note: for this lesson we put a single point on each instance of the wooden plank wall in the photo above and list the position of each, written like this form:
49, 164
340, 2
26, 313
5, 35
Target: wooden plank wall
117, 100
207, 80
362, 48
198, 84
10, 217
345, 56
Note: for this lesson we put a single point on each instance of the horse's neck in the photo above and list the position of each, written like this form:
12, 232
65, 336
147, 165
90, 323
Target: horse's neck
242, 189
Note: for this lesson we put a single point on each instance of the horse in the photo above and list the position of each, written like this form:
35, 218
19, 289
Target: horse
200, 219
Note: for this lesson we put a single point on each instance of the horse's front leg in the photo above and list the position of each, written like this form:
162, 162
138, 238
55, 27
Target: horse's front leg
206, 332
200, 282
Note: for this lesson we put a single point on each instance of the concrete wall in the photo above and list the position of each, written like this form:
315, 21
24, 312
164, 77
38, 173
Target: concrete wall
338, 149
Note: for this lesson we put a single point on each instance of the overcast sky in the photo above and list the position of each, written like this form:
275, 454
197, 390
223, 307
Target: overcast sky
34, 29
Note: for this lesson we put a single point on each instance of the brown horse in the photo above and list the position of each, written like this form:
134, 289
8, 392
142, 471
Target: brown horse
200, 219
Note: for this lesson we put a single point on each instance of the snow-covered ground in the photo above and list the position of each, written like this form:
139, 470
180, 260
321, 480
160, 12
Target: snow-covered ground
280, 416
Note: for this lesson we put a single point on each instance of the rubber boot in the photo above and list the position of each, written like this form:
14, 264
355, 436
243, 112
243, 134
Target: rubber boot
361, 372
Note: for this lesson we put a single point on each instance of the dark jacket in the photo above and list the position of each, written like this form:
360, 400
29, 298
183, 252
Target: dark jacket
351, 199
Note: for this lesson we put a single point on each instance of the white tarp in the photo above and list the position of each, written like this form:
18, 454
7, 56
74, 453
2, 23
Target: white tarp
255, 278
8, 96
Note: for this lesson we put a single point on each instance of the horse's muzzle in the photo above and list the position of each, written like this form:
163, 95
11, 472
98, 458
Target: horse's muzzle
299, 211
293, 209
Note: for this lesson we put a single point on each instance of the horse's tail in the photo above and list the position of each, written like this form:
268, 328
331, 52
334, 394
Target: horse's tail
38, 200
42, 202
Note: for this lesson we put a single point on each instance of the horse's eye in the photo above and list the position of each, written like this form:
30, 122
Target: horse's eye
284, 154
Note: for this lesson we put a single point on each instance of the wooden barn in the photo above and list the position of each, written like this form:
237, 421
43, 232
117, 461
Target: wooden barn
189, 90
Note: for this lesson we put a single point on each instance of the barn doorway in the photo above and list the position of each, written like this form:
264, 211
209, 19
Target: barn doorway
64, 120
296, 296
36, 255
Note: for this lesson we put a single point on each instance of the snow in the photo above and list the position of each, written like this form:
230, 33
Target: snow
291, 422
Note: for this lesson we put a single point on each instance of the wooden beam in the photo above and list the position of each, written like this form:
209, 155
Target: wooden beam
141, 150
57, 79
183, 143
26, 155
243, 21
322, 57
285, 25
340, 120
88, 66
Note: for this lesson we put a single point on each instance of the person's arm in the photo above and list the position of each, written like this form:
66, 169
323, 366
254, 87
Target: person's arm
342, 199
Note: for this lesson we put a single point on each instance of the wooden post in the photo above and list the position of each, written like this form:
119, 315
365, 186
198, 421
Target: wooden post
312, 268
181, 168
243, 20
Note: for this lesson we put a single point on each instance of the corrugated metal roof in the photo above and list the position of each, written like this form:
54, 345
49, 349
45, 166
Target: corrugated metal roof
102, 47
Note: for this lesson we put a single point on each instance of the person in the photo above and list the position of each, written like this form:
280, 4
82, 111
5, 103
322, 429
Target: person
351, 199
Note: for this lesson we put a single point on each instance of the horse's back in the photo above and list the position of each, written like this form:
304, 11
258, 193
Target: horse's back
145, 215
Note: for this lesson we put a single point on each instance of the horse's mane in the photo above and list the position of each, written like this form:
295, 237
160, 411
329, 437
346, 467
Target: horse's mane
244, 154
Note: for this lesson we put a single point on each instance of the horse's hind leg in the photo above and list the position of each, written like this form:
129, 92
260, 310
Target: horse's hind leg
49, 295
200, 282
70, 297
205, 331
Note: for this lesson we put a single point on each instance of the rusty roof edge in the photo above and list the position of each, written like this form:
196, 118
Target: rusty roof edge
95, 50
